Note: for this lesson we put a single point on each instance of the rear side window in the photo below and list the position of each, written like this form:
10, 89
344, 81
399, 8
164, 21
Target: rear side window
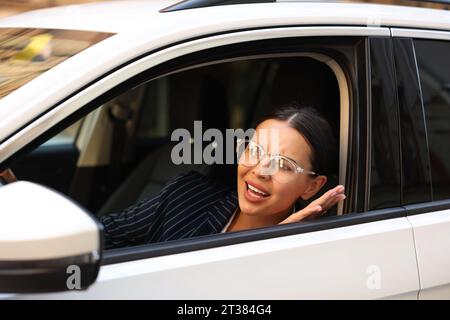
434, 71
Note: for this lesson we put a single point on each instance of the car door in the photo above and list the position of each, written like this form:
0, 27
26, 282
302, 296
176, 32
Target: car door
366, 253
426, 199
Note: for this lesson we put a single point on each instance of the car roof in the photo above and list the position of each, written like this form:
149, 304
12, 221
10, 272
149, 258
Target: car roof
135, 15
109, 16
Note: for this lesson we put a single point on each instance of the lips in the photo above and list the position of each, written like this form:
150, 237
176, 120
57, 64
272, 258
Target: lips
255, 193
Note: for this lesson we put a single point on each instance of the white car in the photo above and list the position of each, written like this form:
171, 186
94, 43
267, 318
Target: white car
90, 94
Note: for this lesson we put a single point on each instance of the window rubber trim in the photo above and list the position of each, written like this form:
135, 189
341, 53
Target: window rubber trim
429, 207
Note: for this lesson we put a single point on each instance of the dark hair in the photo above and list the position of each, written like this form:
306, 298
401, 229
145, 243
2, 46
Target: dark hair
315, 129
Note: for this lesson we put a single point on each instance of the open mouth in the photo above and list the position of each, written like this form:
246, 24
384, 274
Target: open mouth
254, 193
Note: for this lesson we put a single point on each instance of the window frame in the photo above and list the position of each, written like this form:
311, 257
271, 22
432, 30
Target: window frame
416, 173
383, 105
358, 183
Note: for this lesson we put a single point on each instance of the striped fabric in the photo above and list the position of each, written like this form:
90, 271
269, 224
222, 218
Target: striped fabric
189, 205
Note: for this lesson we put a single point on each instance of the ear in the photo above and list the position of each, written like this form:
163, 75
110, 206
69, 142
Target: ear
314, 186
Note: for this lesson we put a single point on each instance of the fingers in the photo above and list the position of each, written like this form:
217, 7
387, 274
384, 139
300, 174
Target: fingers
316, 213
327, 196
310, 210
334, 198
331, 197
332, 202
319, 206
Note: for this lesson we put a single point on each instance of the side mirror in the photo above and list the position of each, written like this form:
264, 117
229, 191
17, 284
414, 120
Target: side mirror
47, 242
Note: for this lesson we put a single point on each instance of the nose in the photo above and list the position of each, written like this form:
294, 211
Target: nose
263, 169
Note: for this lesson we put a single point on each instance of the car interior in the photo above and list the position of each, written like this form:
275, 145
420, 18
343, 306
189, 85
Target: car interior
120, 153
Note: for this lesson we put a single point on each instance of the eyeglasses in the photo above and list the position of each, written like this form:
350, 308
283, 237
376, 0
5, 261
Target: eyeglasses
281, 168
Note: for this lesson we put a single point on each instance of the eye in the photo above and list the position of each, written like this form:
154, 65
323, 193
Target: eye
285, 165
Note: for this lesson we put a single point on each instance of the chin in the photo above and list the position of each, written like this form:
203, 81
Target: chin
249, 208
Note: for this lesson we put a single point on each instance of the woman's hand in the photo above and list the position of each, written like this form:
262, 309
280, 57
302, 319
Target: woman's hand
318, 206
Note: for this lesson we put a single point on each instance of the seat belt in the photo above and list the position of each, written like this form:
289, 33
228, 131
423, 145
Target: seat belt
119, 116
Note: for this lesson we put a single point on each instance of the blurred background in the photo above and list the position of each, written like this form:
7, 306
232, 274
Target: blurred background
10, 7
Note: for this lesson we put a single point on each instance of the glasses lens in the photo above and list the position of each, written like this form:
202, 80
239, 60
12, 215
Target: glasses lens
286, 170
280, 168
248, 152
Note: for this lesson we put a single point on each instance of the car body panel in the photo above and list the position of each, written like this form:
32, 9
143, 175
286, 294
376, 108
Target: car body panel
432, 241
368, 261
132, 16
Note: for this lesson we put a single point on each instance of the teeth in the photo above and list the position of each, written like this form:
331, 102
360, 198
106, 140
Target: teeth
256, 190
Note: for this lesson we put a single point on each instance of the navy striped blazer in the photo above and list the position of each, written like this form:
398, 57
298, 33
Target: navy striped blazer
187, 206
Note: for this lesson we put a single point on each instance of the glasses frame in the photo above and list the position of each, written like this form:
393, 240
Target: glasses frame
298, 168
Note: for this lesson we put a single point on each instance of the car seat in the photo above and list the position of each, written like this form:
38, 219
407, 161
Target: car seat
192, 97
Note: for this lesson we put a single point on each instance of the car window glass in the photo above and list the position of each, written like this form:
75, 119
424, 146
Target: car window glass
67, 136
434, 71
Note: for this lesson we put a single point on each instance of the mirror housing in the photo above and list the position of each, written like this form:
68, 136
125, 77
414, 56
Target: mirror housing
47, 242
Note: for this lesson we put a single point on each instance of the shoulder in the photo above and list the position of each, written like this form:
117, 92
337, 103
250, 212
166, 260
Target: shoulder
192, 183
192, 194
187, 177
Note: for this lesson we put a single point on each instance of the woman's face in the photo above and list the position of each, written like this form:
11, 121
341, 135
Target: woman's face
280, 196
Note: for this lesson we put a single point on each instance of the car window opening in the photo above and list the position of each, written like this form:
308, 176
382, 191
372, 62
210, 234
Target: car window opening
227, 95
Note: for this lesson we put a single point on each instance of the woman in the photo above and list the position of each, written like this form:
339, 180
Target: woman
286, 160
